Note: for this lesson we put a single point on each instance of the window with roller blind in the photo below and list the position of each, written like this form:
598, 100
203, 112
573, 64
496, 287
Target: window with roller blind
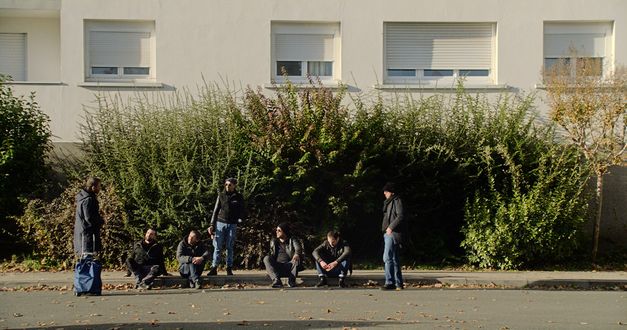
300, 50
13, 55
577, 44
434, 51
119, 50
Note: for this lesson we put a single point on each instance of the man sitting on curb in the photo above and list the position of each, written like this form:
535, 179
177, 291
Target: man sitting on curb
284, 258
192, 255
332, 259
146, 260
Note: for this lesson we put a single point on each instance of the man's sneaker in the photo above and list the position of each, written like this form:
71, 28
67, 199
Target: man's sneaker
400, 287
388, 287
291, 282
198, 284
322, 282
213, 271
128, 273
145, 286
229, 271
341, 283
277, 283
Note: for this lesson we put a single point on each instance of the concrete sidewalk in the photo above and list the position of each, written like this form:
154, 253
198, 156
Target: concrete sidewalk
513, 279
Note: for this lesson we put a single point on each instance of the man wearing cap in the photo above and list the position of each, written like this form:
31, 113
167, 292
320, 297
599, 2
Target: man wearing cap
228, 212
392, 227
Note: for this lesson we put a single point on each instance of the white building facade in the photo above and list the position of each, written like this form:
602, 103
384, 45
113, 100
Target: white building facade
69, 50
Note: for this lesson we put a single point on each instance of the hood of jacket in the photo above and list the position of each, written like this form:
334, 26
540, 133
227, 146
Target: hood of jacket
82, 195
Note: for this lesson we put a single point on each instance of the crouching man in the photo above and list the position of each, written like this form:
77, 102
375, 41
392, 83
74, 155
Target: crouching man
332, 259
146, 260
284, 259
192, 255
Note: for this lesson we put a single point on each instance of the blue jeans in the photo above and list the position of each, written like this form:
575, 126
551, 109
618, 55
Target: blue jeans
392, 262
339, 271
191, 271
224, 234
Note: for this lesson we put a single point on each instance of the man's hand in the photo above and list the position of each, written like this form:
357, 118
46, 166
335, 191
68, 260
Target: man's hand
332, 265
323, 264
210, 231
197, 260
296, 258
388, 231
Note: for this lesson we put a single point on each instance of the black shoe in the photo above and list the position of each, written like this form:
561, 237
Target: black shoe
229, 271
341, 283
128, 273
213, 271
277, 283
323, 282
388, 287
291, 283
400, 287
192, 284
145, 286
198, 284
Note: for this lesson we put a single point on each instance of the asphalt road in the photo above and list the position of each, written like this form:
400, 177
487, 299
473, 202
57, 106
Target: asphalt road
312, 308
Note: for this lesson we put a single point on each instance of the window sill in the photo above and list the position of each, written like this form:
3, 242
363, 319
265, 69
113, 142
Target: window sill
334, 84
33, 83
468, 87
121, 84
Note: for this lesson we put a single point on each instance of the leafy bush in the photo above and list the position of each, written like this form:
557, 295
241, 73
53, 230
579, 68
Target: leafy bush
24, 144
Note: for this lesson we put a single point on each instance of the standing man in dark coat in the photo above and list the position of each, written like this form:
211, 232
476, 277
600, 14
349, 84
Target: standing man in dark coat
392, 227
146, 260
88, 221
228, 212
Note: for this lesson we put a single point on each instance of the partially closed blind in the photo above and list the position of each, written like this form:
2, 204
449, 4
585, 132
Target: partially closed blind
303, 47
13, 55
576, 44
438, 45
127, 49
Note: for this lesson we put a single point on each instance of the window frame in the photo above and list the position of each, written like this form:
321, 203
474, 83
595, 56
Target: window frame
305, 28
123, 26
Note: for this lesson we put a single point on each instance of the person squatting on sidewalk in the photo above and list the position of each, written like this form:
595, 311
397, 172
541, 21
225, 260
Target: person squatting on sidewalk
284, 259
228, 212
146, 260
192, 255
332, 259
392, 227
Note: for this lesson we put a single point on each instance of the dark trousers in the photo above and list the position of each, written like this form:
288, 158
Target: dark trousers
143, 273
191, 271
276, 270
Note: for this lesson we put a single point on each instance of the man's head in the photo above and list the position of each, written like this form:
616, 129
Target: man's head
282, 231
389, 189
193, 238
333, 237
230, 184
151, 236
92, 184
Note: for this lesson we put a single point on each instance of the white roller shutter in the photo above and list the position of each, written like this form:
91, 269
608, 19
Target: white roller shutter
583, 39
125, 49
13, 55
439, 45
303, 47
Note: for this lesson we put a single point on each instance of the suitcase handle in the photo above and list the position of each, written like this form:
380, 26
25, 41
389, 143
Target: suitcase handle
85, 254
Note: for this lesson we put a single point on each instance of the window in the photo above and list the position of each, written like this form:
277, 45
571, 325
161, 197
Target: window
119, 50
13, 55
300, 50
438, 51
578, 45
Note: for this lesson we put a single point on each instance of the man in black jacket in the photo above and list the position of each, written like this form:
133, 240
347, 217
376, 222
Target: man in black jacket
146, 260
332, 259
88, 222
284, 258
228, 212
392, 227
192, 255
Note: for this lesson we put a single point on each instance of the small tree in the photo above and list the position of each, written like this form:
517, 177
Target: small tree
591, 107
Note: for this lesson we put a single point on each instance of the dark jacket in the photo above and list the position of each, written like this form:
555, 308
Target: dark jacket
229, 208
393, 217
293, 246
87, 223
340, 252
185, 252
148, 254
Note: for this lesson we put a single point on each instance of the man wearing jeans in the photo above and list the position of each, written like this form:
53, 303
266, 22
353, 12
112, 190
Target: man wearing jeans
192, 255
228, 212
392, 227
332, 259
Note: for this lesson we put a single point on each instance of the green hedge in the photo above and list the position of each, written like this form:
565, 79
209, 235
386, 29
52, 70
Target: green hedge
318, 158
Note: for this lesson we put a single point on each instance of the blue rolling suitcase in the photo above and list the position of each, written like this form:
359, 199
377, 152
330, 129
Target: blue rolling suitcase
87, 280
